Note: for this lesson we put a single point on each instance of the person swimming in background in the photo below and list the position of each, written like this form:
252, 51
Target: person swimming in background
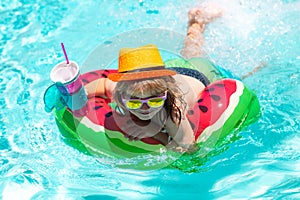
153, 101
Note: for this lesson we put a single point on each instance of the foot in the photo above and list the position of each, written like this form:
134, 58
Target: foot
204, 15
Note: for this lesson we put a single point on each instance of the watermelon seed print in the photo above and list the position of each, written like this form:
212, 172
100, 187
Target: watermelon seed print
215, 97
97, 107
219, 84
209, 89
103, 75
94, 73
203, 108
190, 112
85, 81
108, 114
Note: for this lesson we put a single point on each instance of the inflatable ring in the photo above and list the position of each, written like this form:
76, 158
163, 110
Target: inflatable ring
224, 106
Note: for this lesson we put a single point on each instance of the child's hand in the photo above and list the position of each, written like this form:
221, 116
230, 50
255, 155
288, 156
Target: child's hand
133, 132
136, 130
182, 149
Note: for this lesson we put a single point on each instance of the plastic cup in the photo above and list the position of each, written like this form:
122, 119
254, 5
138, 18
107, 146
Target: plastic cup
67, 79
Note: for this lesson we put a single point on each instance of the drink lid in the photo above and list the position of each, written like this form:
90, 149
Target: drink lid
64, 73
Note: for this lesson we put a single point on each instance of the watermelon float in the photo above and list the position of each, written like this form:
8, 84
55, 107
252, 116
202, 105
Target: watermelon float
224, 106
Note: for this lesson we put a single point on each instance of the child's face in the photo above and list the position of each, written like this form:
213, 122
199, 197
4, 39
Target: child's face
144, 111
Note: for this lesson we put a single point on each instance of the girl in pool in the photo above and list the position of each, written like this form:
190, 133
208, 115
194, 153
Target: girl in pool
153, 101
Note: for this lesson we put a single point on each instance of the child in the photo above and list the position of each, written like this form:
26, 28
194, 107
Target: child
155, 100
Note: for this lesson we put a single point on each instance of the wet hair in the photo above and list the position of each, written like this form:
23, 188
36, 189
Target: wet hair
174, 103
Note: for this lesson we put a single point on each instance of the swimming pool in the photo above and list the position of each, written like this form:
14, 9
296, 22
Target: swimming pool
36, 163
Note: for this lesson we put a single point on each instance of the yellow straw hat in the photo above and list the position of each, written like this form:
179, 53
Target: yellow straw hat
140, 63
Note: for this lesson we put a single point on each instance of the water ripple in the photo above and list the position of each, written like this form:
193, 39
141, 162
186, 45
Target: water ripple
271, 174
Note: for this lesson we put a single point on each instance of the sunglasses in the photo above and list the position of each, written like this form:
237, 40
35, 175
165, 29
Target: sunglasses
153, 102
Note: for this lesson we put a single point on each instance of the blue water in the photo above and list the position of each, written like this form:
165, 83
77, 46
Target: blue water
35, 163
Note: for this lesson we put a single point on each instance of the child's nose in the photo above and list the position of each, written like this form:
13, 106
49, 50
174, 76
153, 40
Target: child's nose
145, 106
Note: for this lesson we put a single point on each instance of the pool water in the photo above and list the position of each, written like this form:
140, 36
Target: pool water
35, 163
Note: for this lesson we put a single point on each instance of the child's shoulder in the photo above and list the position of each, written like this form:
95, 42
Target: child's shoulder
190, 87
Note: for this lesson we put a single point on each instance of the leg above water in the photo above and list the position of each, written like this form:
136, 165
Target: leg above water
198, 18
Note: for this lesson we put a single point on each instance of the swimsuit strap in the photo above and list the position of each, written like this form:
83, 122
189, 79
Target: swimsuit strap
192, 73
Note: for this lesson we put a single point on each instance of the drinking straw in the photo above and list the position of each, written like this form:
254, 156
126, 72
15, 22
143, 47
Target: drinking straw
65, 53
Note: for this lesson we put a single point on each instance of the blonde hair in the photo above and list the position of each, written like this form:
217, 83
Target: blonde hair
174, 103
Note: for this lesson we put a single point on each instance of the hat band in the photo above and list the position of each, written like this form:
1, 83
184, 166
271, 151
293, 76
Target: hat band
145, 69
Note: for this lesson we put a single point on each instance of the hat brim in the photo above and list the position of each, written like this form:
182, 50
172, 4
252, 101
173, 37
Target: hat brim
128, 76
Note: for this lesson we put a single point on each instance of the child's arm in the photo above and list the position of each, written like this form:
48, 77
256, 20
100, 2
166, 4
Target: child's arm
182, 135
101, 87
